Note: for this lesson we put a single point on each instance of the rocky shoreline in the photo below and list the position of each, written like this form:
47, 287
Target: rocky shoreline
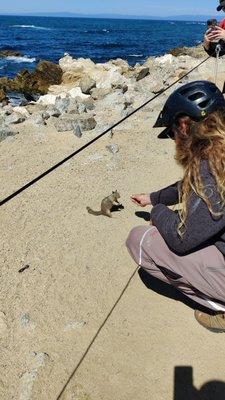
78, 95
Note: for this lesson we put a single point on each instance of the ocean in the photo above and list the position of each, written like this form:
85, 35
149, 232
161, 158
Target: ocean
99, 39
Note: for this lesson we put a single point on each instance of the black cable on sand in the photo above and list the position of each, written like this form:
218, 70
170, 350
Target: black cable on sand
54, 167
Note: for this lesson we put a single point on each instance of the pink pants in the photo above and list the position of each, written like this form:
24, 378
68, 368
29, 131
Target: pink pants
199, 275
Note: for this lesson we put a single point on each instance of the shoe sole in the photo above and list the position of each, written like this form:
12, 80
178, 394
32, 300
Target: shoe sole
214, 330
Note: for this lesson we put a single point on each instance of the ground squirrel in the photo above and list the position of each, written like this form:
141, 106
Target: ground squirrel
106, 205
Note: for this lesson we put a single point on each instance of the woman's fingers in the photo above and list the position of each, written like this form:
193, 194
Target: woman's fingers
141, 199
216, 34
213, 36
136, 201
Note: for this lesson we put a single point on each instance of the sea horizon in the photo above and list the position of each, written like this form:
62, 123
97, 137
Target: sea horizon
100, 39
182, 18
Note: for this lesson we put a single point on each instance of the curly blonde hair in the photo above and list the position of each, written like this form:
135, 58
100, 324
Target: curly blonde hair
205, 141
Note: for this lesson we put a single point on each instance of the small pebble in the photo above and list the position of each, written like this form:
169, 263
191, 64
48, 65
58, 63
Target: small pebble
74, 325
113, 148
25, 319
23, 268
111, 133
77, 130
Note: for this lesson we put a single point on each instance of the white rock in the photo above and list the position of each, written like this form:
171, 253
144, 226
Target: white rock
47, 99
106, 79
67, 63
14, 119
168, 58
76, 92
22, 111
37, 119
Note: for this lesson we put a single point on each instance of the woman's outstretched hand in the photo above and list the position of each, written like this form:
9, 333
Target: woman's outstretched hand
141, 200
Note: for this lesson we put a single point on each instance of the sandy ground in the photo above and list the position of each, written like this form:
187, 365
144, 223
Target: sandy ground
76, 267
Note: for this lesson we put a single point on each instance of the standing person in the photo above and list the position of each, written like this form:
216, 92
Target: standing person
217, 34
186, 249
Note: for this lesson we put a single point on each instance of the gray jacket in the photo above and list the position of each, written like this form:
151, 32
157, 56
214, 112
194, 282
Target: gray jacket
202, 229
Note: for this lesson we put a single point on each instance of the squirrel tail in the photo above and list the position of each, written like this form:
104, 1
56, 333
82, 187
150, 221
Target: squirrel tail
93, 212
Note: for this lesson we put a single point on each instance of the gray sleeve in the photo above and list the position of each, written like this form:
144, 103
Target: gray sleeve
201, 226
168, 196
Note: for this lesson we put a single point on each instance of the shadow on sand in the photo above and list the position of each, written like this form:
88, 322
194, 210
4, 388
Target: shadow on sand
168, 291
184, 388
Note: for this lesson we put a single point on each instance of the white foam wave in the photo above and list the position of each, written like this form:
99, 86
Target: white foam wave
105, 30
31, 27
23, 59
135, 55
195, 23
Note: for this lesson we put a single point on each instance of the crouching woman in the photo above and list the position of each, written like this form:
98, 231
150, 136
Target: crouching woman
186, 249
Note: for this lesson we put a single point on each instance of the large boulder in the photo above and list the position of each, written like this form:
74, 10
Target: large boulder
74, 69
45, 74
47, 99
99, 94
89, 103
122, 65
22, 111
113, 101
105, 75
108, 76
14, 118
68, 64
141, 73
76, 93
52, 111
86, 84
137, 73
37, 119
196, 51
62, 104
71, 77
38, 81
68, 123
64, 125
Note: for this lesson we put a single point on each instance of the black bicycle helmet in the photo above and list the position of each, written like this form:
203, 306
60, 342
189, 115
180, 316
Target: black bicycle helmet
195, 99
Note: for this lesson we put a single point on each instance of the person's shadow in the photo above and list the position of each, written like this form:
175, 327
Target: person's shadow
166, 290
184, 388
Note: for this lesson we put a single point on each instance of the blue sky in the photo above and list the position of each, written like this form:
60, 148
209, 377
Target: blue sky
128, 7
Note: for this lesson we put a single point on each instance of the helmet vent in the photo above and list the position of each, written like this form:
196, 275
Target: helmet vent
195, 96
204, 104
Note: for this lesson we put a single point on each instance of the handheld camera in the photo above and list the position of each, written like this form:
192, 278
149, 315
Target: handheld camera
211, 23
